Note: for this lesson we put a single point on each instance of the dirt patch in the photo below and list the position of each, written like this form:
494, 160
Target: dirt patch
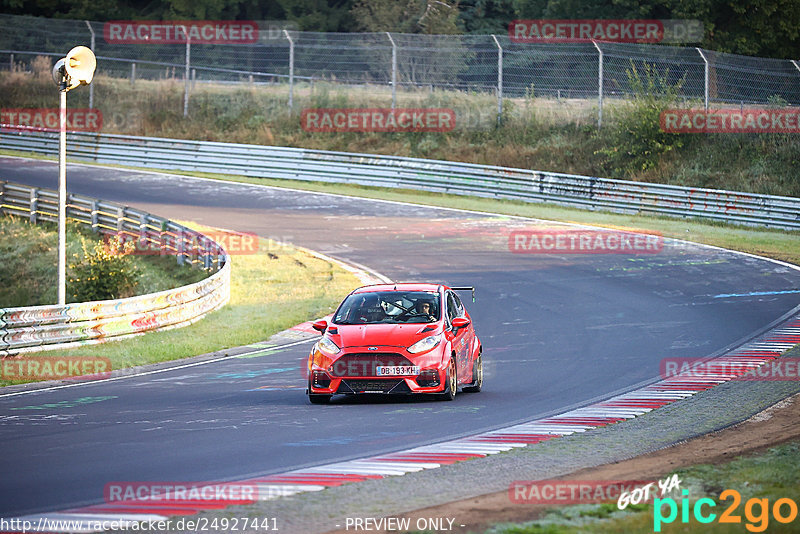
775, 425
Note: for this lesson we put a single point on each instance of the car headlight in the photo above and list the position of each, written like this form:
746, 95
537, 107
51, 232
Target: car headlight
425, 344
327, 346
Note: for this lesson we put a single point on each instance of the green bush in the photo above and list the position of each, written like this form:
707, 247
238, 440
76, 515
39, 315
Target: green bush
104, 272
634, 142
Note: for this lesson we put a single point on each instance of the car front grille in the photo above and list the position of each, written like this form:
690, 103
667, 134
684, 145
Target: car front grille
365, 363
371, 386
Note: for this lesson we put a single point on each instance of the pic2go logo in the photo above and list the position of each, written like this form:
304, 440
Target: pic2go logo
756, 511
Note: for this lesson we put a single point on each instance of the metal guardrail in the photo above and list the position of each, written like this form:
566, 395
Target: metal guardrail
586, 192
33, 328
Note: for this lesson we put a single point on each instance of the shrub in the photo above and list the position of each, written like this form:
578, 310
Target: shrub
104, 272
634, 142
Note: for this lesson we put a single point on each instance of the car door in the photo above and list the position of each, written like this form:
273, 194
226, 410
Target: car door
461, 336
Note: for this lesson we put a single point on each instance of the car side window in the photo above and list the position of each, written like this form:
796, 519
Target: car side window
459, 306
452, 308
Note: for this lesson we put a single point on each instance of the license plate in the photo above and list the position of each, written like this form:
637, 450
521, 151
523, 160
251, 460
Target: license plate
397, 370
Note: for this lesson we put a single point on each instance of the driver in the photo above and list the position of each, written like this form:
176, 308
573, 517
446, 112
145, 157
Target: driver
425, 308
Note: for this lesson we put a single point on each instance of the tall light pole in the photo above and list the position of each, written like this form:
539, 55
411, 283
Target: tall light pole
77, 68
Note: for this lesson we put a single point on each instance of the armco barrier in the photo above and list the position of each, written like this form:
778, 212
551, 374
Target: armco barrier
411, 173
33, 328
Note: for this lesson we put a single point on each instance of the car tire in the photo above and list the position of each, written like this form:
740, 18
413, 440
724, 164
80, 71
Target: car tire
318, 399
477, 377
451, 386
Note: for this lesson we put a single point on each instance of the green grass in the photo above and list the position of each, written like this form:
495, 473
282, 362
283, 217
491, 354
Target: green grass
28, 259
536, 133
770, 475
272, 290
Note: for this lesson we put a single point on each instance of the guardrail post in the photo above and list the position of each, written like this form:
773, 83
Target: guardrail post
120, 219
599, 85
143, 231
179, 247
499, 79
705, 78
34, 205
91, 85
394, 70
206, 254
291, 70
2, 197
95, 211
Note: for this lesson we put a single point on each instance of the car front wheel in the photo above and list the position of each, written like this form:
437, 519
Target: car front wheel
451, 382
316, 398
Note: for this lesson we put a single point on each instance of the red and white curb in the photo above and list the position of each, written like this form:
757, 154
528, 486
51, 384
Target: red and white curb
751, 355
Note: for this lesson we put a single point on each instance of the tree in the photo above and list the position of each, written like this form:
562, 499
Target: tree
487, 16
434, 17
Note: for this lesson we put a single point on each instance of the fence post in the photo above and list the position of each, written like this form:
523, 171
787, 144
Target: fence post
599, 85
2, 197
394, 71
186, 73
291, 70
499, 79
91, 85
705, 78
133, 74
793, 63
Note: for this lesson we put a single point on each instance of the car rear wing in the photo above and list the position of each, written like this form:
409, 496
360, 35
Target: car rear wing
465, 288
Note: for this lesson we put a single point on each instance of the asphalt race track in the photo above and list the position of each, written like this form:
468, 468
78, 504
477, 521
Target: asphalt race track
558, 331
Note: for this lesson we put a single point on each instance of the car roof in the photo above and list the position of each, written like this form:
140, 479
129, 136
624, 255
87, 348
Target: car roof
404, 286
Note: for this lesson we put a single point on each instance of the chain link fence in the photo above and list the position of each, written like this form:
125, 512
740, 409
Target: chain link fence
477, 75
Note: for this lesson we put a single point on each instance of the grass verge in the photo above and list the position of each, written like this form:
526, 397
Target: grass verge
771, 475
272, 290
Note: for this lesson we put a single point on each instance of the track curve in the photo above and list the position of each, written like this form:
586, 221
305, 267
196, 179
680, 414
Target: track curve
558, 331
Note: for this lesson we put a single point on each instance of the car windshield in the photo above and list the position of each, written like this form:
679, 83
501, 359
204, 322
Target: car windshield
389, 307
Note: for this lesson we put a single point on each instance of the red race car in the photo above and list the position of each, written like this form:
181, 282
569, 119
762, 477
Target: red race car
396, 339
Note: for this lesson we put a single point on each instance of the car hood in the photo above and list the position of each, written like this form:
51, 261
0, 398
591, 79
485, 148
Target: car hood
395, 335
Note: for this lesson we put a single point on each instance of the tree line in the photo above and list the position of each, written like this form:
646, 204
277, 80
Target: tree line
768, 28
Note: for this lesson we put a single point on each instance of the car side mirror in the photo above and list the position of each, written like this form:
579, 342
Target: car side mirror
320, 326
460, 322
